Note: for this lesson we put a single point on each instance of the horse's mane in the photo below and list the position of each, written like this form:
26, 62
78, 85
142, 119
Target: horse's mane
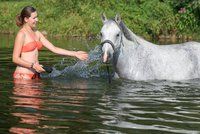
127, 33
130, 35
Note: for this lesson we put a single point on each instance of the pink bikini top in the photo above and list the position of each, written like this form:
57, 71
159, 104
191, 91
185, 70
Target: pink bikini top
31, 46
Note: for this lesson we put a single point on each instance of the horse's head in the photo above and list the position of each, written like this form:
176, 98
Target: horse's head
110, 36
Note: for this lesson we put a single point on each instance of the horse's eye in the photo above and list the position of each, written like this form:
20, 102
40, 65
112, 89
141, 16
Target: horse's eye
101, 34
117, 35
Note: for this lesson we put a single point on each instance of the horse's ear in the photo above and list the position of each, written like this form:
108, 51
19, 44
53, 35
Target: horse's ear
118, 18
103, 17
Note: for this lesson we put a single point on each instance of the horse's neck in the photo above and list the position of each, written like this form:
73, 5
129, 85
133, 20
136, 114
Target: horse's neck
133, 37
138, 49
127, 48
129, 45
138, 39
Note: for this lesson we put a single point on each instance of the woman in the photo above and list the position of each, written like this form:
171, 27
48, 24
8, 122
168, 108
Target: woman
27, 43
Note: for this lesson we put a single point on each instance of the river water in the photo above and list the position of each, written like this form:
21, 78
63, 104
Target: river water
77, 98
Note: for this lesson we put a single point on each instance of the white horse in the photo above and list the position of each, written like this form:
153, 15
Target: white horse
137, 59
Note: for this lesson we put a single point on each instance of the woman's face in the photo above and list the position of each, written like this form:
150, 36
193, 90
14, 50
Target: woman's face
32, 20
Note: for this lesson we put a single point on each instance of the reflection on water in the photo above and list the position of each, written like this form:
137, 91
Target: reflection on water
155, 106
58, 108
93, 106
26, 95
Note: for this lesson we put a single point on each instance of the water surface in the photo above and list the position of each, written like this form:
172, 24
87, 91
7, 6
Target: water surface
78, 98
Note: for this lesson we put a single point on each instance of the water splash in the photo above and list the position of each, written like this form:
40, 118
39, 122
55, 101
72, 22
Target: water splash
93, 67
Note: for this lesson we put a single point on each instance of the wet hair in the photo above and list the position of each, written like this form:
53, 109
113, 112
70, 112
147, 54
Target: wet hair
26, 12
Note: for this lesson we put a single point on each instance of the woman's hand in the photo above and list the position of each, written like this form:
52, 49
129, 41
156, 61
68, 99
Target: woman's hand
38, 68
81, 55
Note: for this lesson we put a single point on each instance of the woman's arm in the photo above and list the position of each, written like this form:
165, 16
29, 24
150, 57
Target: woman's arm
19, 40
78, 54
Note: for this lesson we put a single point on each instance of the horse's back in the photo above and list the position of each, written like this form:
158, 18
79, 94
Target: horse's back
192, 45
173, 62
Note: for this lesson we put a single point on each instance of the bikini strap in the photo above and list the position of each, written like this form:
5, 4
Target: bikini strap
25, 30
31, 36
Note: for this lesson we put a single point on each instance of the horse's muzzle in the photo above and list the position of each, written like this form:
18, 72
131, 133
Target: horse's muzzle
106, 55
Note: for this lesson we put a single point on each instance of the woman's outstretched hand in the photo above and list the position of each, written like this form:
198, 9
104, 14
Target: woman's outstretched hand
81, 55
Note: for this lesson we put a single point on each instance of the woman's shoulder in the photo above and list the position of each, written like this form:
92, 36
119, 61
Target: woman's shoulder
41, 33
38, 34
20, 33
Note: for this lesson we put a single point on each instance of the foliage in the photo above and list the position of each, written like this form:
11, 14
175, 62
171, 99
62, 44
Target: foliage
188, 14
82, 17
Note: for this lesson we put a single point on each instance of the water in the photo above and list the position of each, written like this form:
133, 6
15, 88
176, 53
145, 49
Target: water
93, 67
84, 102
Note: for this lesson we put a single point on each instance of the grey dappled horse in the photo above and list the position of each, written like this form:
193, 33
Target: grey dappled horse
137, 59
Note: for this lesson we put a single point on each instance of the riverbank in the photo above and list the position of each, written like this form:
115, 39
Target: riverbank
82, 19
